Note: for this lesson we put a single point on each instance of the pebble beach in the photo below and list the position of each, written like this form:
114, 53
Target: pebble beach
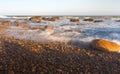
52, 49
31, 57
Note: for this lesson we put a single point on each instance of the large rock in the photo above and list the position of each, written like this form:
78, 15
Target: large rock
105, 45
75, 20
22, 24
19, 24
51, 18
88, 19
98, 21
36, 18
49, 27
6, 23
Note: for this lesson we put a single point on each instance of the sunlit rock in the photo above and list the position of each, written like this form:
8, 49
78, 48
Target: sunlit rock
105, 45
36, 19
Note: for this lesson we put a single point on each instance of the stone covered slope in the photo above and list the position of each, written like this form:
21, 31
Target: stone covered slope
27, 56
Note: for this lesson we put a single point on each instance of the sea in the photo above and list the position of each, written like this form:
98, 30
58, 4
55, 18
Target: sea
65, 30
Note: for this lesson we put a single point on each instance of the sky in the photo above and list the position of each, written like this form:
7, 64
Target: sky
59, 7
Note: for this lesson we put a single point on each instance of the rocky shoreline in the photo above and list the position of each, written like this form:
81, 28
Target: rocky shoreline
30, 57
18, 56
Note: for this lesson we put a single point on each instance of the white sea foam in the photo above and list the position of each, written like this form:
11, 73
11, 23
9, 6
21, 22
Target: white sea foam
3, 16
108, 29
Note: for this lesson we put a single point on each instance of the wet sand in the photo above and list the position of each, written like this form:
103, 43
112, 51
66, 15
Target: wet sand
30, 57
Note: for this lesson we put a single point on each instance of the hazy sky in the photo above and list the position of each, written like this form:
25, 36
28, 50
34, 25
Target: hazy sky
60, 7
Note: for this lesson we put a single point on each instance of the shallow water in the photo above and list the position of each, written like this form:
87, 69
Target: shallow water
108, 29
84, 32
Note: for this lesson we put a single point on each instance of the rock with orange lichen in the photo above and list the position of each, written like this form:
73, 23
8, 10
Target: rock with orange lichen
105, 45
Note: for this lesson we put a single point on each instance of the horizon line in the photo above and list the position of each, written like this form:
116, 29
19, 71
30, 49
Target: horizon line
57, 15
